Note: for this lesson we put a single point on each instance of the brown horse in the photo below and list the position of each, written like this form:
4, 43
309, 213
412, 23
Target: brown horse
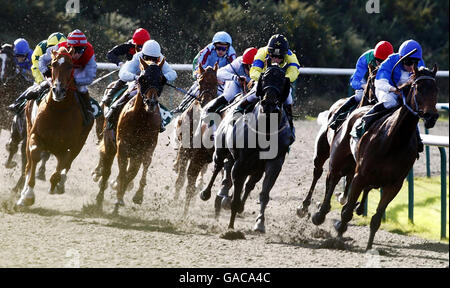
197, 157
55, 126
386, 152
325, 137
137, 135
11, 83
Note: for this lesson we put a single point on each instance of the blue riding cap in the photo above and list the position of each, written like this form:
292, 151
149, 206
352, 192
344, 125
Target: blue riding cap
21, 47
408, 46
222, 37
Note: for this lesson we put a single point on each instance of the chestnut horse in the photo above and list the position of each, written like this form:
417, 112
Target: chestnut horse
55, 126
386, 152
197, 157
325, 137
136, 136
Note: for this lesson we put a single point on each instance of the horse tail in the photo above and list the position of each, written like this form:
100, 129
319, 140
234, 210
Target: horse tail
322, 119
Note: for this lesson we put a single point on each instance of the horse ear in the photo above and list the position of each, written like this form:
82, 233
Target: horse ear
216, 67
435, 69
54, 53
269, 62
144, 64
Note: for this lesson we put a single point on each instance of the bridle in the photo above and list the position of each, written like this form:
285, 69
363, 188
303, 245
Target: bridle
416, 112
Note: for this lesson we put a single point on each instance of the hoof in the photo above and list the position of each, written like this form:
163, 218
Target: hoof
25, 202
205, 194
51, 191
120, 203
259, 226
60, 189
138, 198
96, 176
342, 199
226, 203
318, 218
340, 228
302, 211
41, 175
10, 165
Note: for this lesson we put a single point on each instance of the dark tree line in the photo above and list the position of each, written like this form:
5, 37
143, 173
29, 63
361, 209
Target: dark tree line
331, 33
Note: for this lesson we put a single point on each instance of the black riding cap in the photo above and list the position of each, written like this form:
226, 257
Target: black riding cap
278, 45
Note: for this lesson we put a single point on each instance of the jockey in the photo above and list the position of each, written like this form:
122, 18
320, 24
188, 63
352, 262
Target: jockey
33, 91
386, 93
372, 58
130, 71
84, 64
22, 56
277, 50
219, 51
128, 50
236, 75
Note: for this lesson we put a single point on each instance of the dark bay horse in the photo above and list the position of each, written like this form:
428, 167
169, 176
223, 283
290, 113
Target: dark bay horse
136, 136
55, 126
188, 156
233, 138
387, 151
325, 137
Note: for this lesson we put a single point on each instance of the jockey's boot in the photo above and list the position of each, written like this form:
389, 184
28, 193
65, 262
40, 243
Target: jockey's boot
242, 107
213, 107
109, 97
341, 114
368, 118
86, 107
32, 92
112, 116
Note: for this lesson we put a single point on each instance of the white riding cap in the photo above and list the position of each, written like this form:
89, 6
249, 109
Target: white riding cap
151, 48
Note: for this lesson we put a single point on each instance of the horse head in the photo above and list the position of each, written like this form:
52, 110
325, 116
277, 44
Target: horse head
8, 67
151, 83
274, 89
422, 96
207, 84
62, 73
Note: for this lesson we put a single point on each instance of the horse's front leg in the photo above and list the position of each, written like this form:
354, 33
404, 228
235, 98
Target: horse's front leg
139, 195
238, 173
33, 152
41, 172
272, 170
59, 177
195, 165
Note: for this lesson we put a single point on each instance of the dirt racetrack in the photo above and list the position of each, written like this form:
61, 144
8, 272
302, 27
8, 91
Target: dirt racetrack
62, 230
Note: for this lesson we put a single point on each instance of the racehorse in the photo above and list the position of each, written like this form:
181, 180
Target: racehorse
137, 135
249, 161
197, 157
12, 82
55, 126
325, 137
387, 151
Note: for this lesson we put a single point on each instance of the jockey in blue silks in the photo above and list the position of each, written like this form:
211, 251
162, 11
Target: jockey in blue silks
371, 58
219, 51
22, 57
388, 96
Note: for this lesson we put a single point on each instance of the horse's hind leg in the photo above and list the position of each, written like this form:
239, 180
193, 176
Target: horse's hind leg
193, 171
249, 186
239, 176
342, 197
41, 172
21, 181
181, 165
272, 170
122, 161
322, 153
331, 182
105, 163
13, 144
218, 165
99, 124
